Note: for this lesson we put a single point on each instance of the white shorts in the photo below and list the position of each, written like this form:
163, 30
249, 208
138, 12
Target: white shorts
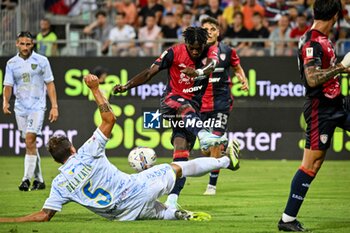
159, 180
31, 123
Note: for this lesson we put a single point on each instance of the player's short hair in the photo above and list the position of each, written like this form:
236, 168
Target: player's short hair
327, 9
26, 34
100, 12
210, 20
194, 35
59, 147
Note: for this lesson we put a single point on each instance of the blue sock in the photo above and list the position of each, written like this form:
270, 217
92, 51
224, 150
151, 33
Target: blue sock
299, 187
180, 182
213, 178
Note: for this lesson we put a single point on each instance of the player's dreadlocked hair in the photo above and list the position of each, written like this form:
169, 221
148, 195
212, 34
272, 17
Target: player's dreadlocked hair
195, 34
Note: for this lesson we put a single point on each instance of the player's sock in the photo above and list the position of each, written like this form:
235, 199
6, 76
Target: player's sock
29, 166
299, 187
180, 155
201, 166
213, 178
37, 172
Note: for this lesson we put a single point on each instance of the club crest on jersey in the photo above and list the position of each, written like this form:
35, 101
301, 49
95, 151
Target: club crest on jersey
309, 52
222, 56
324, 138
34, 66
184, 79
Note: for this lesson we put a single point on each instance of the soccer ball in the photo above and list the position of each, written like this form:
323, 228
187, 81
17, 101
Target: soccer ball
141, 158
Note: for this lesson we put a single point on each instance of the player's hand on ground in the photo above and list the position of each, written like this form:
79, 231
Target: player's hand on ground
5, 108
190, 72
119, 89
53, 116
91, 81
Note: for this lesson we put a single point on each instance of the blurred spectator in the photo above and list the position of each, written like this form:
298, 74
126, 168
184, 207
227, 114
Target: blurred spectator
150, 32
186, 21
293, 15
121, 37
229, 12
281, 33
189, 4
57, 7
344, 29
99, 30
200, 9
298, 31
169, 7
45, 40
8, 4
259, 31
214, 10
152, 8
78, 7
237, 30
250, 7
179, 11
275, 10
169, 29
126, 6
301, 27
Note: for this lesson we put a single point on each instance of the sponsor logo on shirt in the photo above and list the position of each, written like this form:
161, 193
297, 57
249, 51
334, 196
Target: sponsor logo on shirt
324, 138
309, 52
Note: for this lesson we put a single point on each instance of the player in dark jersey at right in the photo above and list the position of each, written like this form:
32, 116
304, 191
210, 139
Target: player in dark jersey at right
324, 109
217, 100
182, 97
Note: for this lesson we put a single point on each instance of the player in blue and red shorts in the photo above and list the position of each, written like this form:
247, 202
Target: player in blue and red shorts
181, 101
324, 109
217, 100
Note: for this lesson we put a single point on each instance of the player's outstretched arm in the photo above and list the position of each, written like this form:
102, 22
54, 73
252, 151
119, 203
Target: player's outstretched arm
139, 79
107, 115
316, 76
42, 216
51, 91
7, 92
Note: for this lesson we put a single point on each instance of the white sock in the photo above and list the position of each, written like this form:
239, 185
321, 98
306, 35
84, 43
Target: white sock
201, 166
37, 172
287, 218
172, 198
29, 166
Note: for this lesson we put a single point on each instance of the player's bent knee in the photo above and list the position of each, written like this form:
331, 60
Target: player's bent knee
177, 169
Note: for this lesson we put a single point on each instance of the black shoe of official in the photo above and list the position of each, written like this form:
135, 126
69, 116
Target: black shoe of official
37, 185
291, 226
24, 186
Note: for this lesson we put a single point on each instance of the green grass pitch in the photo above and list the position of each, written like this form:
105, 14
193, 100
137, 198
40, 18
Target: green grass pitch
248, 200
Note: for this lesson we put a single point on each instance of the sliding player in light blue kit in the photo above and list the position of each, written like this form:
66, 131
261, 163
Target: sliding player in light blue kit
89, 179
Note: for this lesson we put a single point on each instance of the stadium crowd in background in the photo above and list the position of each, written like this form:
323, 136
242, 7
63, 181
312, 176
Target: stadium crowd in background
284, 19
